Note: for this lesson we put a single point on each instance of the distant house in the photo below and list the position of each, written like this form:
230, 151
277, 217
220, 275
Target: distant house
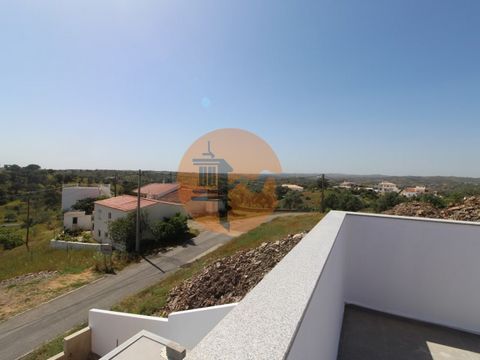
411, 192
293, 187
157, 190
71, 194
385, 187
114, 208
348, 185
77, 220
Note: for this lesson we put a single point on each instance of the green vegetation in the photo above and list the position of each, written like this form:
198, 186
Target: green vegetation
152, 299
52, 347
10, 238
41, 257
154, 233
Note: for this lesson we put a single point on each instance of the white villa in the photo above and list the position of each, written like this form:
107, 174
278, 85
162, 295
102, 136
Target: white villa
293, 187
117, 207
385, 187
411, 192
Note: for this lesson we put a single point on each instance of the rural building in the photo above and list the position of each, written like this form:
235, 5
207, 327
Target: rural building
348, 185
108, 210
71, 194
293, 187
157, 190
77, 220
414, 191
385, 187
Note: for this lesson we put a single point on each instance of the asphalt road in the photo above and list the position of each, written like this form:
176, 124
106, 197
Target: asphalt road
25, 332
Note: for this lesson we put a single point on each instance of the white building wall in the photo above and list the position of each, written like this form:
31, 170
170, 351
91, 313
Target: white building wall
103, 215
422, 269
84, 221
110, 329
71, 194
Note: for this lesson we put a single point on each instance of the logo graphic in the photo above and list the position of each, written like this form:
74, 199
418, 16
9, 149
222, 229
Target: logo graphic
227, 180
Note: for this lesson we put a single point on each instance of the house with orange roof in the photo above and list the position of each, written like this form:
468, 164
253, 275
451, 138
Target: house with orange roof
117, 207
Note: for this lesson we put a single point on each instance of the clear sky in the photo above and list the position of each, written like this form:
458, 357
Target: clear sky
358, 86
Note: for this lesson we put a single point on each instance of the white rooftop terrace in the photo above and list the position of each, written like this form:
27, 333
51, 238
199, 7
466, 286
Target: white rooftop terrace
424, 270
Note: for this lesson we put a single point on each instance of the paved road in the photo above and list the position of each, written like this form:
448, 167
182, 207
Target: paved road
22, 333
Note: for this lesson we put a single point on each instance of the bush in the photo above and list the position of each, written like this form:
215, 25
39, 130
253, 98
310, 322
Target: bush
388, 201
10, 217
169, 229
123, 230
343, 200
10, 239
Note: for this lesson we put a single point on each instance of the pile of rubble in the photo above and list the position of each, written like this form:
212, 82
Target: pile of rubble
414, 208
466, 210
228, 280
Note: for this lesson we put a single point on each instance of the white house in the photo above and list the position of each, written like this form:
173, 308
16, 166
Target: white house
108, 210
411, 192
386, 186
293, 187
71, 194
77, 220
348, 185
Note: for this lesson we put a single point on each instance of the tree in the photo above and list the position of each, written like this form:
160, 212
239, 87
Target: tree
293, 200
170, 228
86, 205
388, 201
123, 230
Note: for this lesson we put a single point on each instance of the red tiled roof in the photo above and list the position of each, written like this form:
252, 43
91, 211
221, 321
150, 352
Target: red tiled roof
158, 189
125, 202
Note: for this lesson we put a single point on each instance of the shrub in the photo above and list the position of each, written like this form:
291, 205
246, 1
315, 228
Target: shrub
10, 217
169, 229
9, 238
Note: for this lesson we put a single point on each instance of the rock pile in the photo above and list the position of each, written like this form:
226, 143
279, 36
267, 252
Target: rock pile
415, 208
467, 210
228, 280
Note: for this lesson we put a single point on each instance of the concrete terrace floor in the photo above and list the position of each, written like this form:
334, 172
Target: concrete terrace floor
373, 335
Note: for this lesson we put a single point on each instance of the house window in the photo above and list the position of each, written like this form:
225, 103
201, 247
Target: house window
109, 215
75, 220
99, 233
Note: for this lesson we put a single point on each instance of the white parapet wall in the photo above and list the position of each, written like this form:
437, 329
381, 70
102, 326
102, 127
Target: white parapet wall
422, 269
110, 329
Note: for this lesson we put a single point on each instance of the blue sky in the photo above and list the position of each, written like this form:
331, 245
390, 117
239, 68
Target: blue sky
363, 87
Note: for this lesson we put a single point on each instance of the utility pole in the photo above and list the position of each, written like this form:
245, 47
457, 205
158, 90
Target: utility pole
137, 237
322, 207
28, 222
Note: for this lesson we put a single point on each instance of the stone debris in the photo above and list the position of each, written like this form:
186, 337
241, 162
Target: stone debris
24, 279
466, 210
229, 279
414, 208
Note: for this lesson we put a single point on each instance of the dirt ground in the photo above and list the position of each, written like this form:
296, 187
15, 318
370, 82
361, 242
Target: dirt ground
27, 291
